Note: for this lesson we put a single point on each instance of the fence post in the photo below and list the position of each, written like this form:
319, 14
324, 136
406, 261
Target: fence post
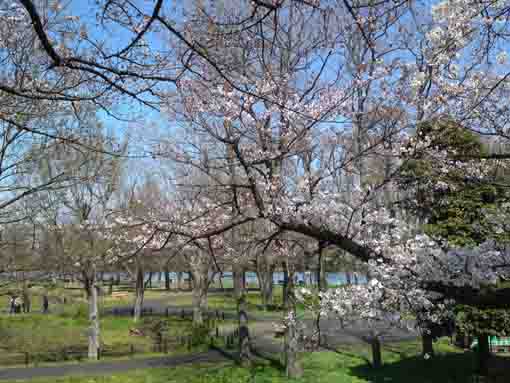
223, 315
165, 347
217, 314
182, 313
167, 312
132, 350
217, 332
27, 358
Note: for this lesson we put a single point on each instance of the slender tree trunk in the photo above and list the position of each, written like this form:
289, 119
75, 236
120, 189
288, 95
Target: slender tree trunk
293, 366
139, 294
376, 352
237, 276
148, 283
483, 354
321, 269
117, 281
110, 287
427, 344
26, 297
94, 332
167, 278
348, 279
285, 288
179, 281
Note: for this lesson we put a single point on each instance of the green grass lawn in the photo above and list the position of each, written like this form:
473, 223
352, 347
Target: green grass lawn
347, 365
56, 337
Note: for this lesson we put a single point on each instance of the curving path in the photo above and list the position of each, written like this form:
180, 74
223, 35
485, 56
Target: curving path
109, 368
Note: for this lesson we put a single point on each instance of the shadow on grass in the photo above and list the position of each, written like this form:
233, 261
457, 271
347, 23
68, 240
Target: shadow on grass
347, 354
448, 368
273, 361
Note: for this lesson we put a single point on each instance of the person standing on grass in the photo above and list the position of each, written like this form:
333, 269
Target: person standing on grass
12, 302
46, 303
17, 305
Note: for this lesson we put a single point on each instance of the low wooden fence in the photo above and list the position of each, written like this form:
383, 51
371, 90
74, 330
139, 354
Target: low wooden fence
163, 346
168, 312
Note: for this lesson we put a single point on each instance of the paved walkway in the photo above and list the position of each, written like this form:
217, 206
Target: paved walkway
108, 368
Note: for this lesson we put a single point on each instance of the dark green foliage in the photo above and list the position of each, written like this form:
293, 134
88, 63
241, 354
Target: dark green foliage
473, 321
458, 214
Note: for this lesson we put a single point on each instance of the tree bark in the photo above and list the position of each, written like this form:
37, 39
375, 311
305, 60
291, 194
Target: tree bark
148, 283
376, 352
285, 288
293, 366
94, 332
110, 286
237, 276
245, 356
265, 277
483, 354
427, 344
348, 279
139, 293
26, 297
167, 278
322, 283
200, 286
179, 281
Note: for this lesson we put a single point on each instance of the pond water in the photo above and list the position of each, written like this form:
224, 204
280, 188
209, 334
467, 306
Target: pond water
333, 278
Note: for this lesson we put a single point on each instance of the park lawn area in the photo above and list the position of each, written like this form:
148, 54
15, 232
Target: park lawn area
56, 296
45, 335
346, 365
